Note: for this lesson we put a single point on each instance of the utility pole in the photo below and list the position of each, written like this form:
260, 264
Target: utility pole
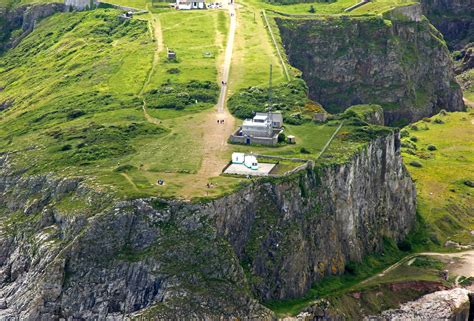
270, 89
270, 116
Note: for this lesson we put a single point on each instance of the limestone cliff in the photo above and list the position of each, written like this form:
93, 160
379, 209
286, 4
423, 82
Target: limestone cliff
69, 251
374, 60
17, 22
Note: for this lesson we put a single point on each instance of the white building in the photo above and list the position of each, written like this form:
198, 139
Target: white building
262, 129
262, 124
190, 4
249, 161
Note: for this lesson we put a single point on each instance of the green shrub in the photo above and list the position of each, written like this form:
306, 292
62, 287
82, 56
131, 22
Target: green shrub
404, 133
416, 164
180, 96
438, 121
431, 148
304, 151
287, 98
311, 9
414, 139
414, 127
282, 138
173, 71
124, 168
404, 246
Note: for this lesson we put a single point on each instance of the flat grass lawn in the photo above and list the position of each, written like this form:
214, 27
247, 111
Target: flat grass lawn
198, 38
444, 200
253, 52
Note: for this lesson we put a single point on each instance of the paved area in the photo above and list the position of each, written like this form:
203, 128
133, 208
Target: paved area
263, 169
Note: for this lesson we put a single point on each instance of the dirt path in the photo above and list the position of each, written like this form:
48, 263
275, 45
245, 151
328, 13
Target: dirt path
463, 263
215, 135
129, 180
468, 102
154, 26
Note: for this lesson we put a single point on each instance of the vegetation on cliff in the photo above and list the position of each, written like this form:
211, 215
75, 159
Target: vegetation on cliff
444, 149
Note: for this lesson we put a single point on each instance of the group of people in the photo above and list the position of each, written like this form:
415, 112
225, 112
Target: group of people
223, 83
220, 121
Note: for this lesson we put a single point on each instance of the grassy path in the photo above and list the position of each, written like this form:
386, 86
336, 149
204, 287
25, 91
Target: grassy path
154, 26
466, 268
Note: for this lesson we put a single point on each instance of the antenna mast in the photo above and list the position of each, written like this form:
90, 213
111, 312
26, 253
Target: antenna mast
270, 90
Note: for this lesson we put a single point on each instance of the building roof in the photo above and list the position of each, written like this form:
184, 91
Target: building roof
250, 122
277, 116
261, 117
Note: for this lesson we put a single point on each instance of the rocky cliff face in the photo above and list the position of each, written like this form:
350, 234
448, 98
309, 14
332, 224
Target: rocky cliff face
68, 251
22, 20
442, 305
387, 61
453, 18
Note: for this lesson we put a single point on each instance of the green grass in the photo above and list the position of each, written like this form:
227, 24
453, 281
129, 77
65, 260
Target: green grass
335, 7
444, 201
253, 51
197, 37
381, 6
338, 285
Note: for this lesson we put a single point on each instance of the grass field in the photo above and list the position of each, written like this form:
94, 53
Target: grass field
444, 200
253, 52
198, 38
335, 7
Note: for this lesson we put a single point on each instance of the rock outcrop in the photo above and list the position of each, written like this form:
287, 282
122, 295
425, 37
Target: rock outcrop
68, 251
22, 20
374, 60
453, 18
442, 305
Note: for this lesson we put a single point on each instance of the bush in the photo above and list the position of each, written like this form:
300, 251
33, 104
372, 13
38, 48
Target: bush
414, 127
281, 138
173, 71
304, 151
180, 96
414, 139
416, 164
65, 148
287, 98
73, 114
124, 168
431, 148
438, 121
311, 9
404, 246
404, 133
427, 120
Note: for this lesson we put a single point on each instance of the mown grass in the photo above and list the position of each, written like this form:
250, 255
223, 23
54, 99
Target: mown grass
445, 202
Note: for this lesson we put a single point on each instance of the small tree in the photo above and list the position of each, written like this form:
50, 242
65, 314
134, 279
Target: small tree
311, 9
